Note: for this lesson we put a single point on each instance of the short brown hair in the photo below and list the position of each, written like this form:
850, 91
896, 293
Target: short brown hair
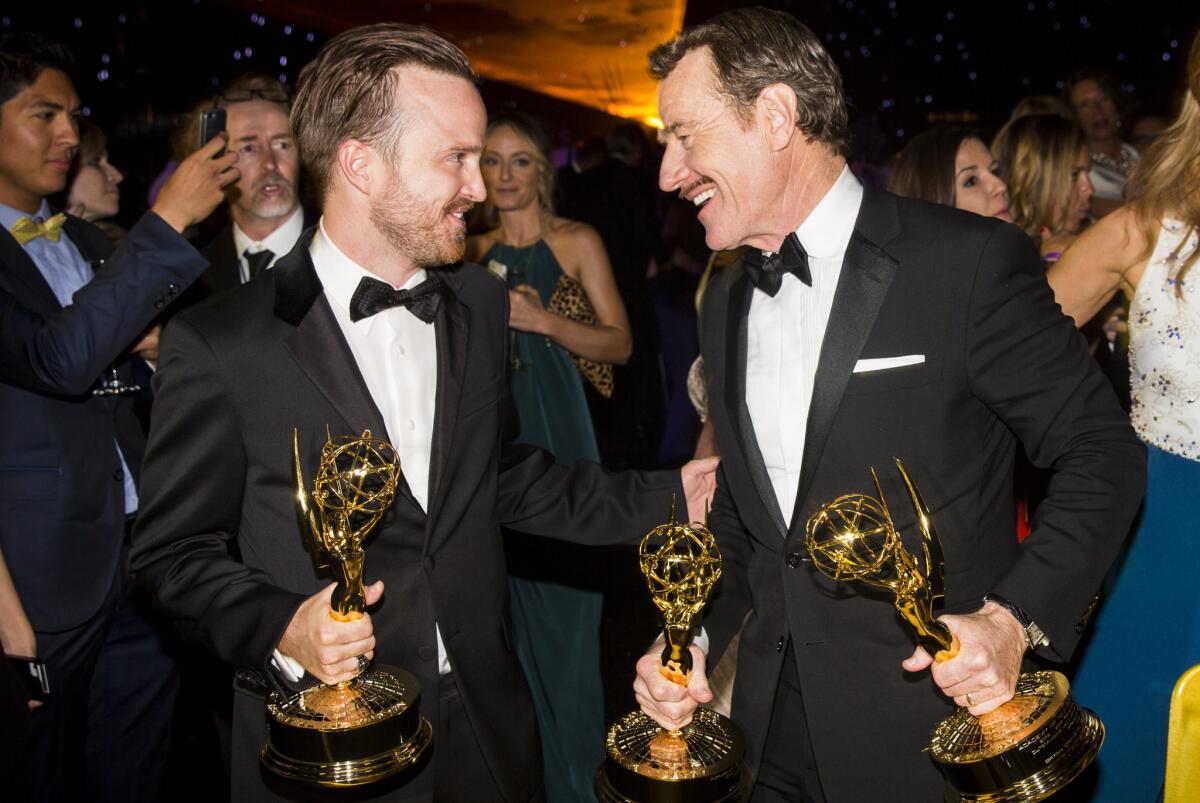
247, 86
349, 90
752, 48
254, 86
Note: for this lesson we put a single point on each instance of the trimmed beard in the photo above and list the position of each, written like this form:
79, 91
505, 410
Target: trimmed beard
415, 231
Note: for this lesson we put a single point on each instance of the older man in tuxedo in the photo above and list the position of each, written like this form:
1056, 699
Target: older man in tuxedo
863, 326
266, 216
371, 322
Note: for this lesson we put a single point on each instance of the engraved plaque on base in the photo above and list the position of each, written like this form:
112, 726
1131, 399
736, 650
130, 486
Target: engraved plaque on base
701, 762
370, 727
1028, 748
349, 734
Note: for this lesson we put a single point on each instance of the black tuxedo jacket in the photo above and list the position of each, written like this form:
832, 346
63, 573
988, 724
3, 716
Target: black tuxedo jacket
1002, 365
224, 263
236, 375
62, 508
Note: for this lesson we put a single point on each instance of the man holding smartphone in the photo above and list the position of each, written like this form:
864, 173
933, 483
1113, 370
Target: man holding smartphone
266, 217
70, 459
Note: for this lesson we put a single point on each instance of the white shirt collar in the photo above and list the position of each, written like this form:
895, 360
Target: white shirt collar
826, 232
340, 275
278, 242
10, 215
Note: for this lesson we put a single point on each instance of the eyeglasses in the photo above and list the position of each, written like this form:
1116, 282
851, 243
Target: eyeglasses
243, 95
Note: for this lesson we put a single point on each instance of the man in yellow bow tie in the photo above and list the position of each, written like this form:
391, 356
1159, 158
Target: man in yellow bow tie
69, 459
27, 228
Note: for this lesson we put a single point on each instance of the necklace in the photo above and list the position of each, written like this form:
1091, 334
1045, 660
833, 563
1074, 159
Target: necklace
1121, 165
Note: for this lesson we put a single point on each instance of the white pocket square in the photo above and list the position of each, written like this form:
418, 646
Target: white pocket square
884, 363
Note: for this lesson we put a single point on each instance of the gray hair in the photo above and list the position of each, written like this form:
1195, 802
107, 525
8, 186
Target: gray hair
752, 48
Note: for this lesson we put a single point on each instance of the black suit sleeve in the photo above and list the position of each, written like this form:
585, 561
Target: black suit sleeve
1027, 362
194, 477
66, 353
583, 503
732, 600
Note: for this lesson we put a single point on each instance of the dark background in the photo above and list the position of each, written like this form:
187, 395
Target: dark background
906, 63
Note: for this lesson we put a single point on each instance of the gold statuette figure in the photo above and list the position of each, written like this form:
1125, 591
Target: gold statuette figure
1028, 748
703, 761
370, 727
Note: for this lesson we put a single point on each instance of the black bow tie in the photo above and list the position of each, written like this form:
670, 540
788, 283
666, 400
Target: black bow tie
372, 296
767, 271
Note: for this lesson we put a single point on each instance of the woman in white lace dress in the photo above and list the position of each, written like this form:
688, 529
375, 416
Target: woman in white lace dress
1146, 631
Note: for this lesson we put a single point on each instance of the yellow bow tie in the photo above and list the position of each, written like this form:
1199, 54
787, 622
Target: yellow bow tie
26, 229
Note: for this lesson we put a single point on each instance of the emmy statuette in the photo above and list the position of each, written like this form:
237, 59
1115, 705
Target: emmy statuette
702, 762
361, 730
1028, 748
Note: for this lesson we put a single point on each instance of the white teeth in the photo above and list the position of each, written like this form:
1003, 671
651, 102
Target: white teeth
704, 196
459, 215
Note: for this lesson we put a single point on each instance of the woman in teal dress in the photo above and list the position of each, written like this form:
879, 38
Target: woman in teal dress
556, 622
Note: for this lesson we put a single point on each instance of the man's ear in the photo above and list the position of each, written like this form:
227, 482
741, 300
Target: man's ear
357, 162
776, 112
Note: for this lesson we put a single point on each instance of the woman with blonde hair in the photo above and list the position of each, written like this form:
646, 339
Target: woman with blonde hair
1044, 160
552, 265
1148, 250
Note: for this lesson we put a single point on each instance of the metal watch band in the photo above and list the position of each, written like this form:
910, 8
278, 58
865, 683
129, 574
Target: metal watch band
1034, 636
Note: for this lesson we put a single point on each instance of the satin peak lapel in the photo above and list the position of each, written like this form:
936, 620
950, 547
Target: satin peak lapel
735, 397
866, 275
23, 278
451, 331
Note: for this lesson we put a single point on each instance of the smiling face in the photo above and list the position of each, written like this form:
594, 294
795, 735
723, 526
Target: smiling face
435, 176
716, 159
38, 138
511, 170
977, 188
267, 159
95, 193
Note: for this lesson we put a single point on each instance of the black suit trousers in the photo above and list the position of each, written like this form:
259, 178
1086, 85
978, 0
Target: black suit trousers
103, 734
788, 772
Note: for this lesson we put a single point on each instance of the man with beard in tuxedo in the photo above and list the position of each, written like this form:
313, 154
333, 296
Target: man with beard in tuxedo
372, 323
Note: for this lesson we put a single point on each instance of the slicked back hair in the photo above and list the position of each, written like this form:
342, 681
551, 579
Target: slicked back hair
752, 48
349, 91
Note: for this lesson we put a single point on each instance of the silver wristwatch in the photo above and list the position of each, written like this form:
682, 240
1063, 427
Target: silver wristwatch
1034, 636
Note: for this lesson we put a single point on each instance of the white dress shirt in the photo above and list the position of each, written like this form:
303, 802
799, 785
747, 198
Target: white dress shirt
396, 353
784, 337
278, 242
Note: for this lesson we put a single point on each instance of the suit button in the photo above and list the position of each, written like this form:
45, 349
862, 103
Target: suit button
172, 287
426, 653
429, 563
779, 645
118, 475
794, 560
160, 303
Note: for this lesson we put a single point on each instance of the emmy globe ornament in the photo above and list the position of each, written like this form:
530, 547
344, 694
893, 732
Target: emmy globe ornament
702, 762
361, 730
1027, 749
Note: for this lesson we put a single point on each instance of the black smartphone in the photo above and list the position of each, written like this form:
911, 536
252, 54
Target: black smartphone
33, 675
212, 122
